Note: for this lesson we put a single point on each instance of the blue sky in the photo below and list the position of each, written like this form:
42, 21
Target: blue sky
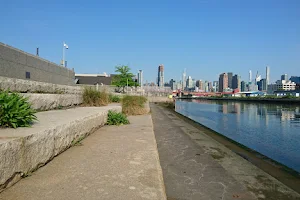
207, 37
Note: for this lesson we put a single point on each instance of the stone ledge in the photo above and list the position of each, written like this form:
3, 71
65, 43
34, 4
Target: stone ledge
24, 86
23, 150
52, 101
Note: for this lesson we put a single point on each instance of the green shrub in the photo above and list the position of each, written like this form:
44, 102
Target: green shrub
92, 97
114, 98
116, 118
15, 111
134, 105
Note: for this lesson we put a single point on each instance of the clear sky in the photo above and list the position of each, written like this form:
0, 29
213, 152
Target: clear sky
207, 37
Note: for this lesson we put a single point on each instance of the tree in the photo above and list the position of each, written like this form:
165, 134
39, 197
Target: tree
124, 78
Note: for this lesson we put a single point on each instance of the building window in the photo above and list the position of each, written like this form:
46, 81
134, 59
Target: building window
27, 75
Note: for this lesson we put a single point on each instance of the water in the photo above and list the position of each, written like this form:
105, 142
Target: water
271, 129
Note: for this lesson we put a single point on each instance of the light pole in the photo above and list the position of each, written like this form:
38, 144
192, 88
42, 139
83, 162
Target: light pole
65, 46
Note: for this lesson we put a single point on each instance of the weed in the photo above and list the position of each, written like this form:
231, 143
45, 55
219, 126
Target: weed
77, 142
15, 111
116, 118
134, 105
92, 97
114, 98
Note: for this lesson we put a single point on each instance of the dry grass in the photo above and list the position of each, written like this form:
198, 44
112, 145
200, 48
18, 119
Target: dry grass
92, 97
134, 105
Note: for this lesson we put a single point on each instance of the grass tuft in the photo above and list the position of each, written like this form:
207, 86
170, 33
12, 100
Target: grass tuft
134, 105
92, 97
116, 118
114, 98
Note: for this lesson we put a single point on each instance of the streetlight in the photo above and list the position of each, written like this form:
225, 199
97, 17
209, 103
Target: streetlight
65, 46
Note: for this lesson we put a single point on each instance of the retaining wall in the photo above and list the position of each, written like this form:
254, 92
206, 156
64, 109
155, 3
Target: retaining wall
23, 150
15, 63
43, 102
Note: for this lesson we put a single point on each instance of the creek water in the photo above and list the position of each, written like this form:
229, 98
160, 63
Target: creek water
270, 129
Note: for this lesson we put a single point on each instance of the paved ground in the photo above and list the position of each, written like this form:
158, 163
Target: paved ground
197, 167
112, 163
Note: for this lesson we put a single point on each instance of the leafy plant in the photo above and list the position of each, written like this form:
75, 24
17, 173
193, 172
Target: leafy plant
124, 78
15, 111
134, 105
114, 98
92, 97
116, 118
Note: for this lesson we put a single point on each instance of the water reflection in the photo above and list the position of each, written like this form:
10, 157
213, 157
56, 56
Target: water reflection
285, 112
271, 129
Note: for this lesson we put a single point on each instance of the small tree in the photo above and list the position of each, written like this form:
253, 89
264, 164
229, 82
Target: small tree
124, 78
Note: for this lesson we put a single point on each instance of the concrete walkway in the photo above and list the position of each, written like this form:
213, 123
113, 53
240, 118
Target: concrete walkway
195, 166
112, 163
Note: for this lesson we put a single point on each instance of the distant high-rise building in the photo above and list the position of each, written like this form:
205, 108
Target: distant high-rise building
295, 79
250, 76
206, 86
236, 82
210, 86
267, 75
173, 84
230, 75
194, 83
243, 86
215, 86
200, 84
223, 82
179, 85
184, 79
160, 77
257, 78
189, 82
284, 77
140, 78
262, 85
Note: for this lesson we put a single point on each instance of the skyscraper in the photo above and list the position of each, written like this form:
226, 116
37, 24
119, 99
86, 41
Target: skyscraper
184, 79
140, 78
189, 82
223, 82
230, 74
160, 77
284, 77
199, 84
173, 84
215, 86
236, 82
262, 85
250, 76
267, 75
243, 86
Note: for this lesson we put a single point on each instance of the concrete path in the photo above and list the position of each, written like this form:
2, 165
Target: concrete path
197, 167
112, 163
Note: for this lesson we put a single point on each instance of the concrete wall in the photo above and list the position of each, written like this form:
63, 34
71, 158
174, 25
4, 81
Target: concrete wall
26, 86
14, 63
44, 102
